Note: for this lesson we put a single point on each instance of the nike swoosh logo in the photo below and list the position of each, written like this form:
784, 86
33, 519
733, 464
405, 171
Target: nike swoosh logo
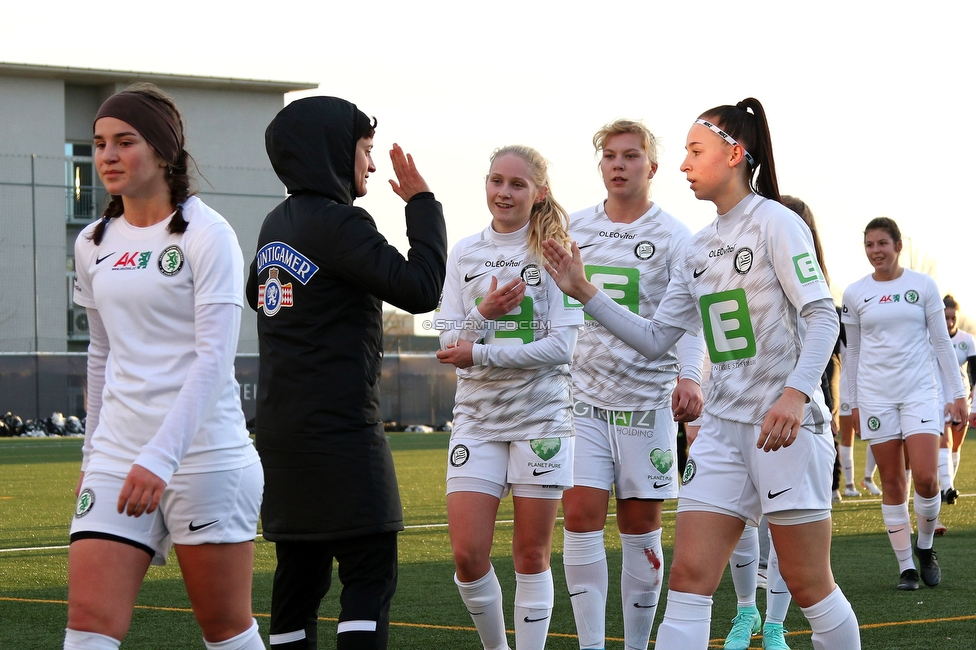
536, 472
697, 272
779, 592
587, 245
926, 421
930, 520
99, 260
639, 606
476, 613
535, 620
870, 299
193, 528
772, 495
469, 278
739, 566
578, 593
892, 532
658, 486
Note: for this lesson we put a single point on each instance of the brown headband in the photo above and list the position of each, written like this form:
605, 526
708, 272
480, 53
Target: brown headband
149, 119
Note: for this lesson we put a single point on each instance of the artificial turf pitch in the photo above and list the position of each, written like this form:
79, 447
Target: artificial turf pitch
37, 481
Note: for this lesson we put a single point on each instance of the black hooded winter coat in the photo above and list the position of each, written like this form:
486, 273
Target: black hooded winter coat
318, 282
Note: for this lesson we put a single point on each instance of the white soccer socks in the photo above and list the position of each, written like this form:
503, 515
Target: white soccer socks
946, 472
640, 585
250, 639
78, 640
585, 564
744, 566
926, 515
483, 599
833, 623
847, 464
687, 619
777, 593
899, 528
533, 609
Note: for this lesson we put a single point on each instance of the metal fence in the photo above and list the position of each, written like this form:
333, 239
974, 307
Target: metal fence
414, 388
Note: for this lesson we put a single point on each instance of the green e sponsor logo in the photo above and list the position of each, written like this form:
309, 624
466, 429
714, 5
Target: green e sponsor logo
727, 326
807, 269
517, 324
621, 284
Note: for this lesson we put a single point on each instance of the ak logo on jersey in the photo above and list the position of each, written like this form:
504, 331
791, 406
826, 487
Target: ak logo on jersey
874, 423
281, 255
170, 261
807, 269
911, 297
662, 459
459, 455
273, 295
644, 250
689, 473
86, 500
132, 261
742, 261
532, 275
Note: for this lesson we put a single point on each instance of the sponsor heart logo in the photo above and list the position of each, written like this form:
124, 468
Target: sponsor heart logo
662, 459
546, 448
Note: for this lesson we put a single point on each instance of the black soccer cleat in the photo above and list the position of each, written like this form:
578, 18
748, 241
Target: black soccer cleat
949, 496
908, 580
928, 565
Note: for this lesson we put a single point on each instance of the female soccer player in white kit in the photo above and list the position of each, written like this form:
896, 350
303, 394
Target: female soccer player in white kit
507, 328
626, 429
167, 457
765, 444
964, 345
891, 316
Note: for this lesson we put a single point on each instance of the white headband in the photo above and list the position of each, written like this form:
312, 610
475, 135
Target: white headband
728, 138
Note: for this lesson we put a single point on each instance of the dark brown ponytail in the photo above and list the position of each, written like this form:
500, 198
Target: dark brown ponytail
751, 130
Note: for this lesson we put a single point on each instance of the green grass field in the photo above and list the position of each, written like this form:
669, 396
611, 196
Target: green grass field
37, 480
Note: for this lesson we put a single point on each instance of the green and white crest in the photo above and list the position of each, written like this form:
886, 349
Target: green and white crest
85, 502
911, 296
689, 473
874, 423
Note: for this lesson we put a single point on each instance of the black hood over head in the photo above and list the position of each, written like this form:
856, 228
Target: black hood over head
312, 146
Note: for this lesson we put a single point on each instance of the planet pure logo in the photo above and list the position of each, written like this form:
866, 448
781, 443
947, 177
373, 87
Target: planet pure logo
546, 448
662, 459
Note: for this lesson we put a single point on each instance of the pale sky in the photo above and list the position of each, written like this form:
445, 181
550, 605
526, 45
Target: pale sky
869, 104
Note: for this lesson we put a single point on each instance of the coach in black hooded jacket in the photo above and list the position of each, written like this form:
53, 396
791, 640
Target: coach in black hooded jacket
318, 281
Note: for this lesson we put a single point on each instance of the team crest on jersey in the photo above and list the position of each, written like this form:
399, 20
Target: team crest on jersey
844, 406
532, 275
459, 455
86, 500
874, 423
273, 295
170, 261
742, 260
546, 448
662, 459
689, 473
132, 261
911, 296
286, 258
644, 250
963, 346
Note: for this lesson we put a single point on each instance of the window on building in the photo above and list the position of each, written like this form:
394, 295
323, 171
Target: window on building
79, 181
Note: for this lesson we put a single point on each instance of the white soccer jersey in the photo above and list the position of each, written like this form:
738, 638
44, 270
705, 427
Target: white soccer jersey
507, 403
145, 283
895, 362
632, 263
964, 346
744, 280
